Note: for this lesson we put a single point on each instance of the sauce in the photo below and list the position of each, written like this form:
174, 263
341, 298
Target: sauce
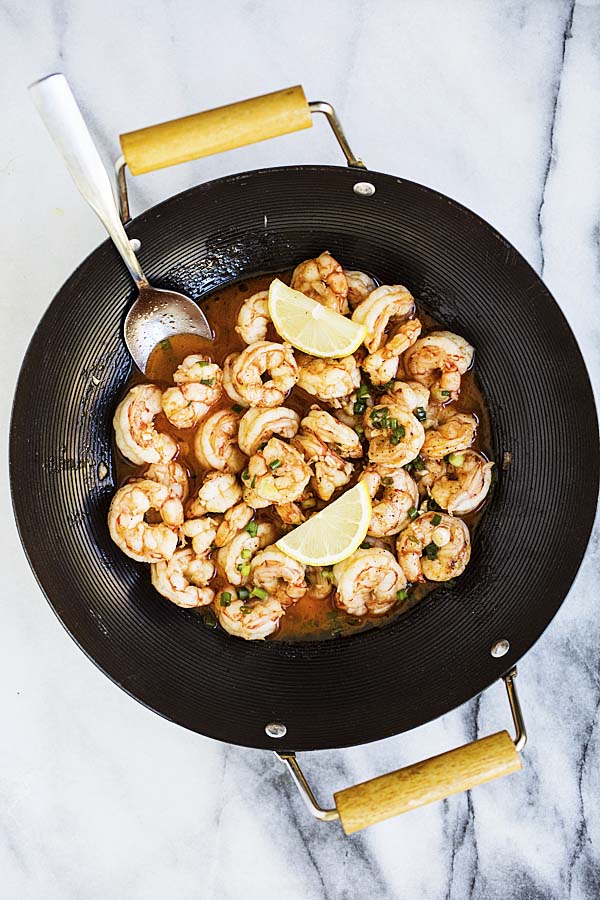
311, 618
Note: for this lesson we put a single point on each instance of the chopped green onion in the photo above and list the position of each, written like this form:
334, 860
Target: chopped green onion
395, 439
359, 430
456, 459
363, 392
209, 382
400, 431
243, 593
245, 610
245, 475
401, 595
263, 445
274, 465
165, 345
210, 620
445, 393
431, 551
239, 567
253, 482
237, 408
259, 592
252, 528
365, 545
387, 481
225, 598
246, 554
435, 520
203, 362
393, 423
308, 504
418, 464
413, 513
245, 570
420, 413
359, 407
213, 546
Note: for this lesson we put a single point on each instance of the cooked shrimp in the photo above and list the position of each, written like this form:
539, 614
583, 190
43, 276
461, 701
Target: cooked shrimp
395, 435
360, 285
465, 485
343, 438
382, 365
253, 620
386, 304
438, 361
258, 425
228, 380
428, 472
279, 575
217, 493
202, 532
290, 513
368, 582
275, 474
323, 279
183, 579
253, 318
135, 434
233, 559
445, 542
216, 442
136, 537
173, 475
330, 380
412, 394
330, 470
235, 520
394, 494
199, 384
455, 434
256, 360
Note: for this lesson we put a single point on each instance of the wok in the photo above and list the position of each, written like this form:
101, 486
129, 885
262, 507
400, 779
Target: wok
458, 640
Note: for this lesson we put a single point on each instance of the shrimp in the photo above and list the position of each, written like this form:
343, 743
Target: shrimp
399, 495
137, 538
455, 434
173, 475
233, 559
360, 285
383, 305
202, 532
256, 360
465, 485
344, 439
445, 542
217, 493
395, 435
330, 380
382, 365
368, 582
438, 361
290, 513
183, 579
330, 470
258, 425
234, 520
136, 437
279, 575
323, 279
253, 318
198, 386
275, 474
415, 397
253, 620
216, 442
228, 380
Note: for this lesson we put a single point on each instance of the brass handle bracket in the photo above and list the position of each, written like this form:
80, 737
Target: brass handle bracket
288, 758
315, 107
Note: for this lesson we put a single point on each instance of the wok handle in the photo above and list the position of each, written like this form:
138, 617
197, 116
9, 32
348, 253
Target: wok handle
427, 781
216, 130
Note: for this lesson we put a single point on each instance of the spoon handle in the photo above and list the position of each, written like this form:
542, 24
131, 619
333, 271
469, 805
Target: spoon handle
62, 117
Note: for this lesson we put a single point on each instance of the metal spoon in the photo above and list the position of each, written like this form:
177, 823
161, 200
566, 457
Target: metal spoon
156, 314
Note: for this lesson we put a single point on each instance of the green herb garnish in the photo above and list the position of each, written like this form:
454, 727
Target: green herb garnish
237, 408
245, 570
431, 551
413, 513
246, 554
401, 595
252, 528
435, 520
259, 592
274, 465
420, 413
225, 598
243, 593
208, 382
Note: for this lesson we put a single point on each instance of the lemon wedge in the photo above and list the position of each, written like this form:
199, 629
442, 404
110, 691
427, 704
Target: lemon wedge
333, 533
310, 327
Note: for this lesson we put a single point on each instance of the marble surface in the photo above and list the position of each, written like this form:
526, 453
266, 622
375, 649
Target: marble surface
496, 104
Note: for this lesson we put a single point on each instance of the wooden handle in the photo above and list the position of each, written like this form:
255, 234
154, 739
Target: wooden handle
427, 781
216, 130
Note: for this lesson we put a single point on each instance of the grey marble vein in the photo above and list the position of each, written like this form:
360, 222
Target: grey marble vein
494, 103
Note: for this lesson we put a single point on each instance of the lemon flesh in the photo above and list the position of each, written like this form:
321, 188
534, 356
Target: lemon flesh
332, 534
311, 327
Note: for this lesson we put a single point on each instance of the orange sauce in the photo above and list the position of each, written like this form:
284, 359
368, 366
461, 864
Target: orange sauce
310, 618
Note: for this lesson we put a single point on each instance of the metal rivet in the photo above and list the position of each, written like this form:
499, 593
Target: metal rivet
500, 648
135, 244
364, 188
276, 729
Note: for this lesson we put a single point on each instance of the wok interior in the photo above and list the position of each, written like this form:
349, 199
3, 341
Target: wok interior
373, 684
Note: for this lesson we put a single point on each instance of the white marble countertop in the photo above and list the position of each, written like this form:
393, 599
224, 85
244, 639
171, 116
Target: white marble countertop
498, 105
